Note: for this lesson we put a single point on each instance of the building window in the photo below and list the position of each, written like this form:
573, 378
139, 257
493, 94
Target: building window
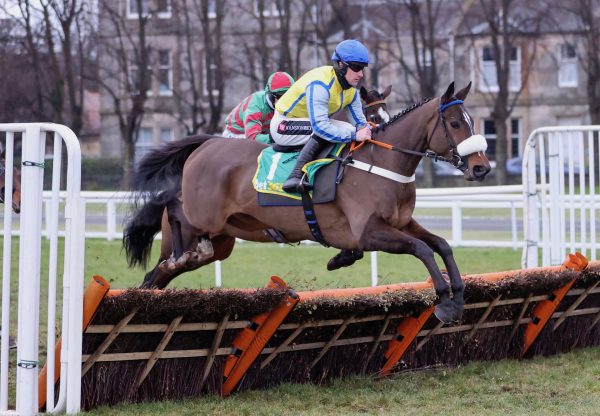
165, 73
426, 63
567, 66
160, 8
270, 8
489, 76
144, 143
515, 137
210, 75
489, 131
212, 9
136, 81
166, 135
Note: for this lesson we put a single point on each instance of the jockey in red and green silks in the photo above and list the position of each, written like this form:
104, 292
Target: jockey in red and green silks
251, 118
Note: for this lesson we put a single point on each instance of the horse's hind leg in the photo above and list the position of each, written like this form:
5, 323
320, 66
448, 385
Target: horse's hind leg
344, 258
441, 247
222, 247
379, 235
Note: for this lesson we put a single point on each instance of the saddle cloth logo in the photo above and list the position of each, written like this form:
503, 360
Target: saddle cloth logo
275, 167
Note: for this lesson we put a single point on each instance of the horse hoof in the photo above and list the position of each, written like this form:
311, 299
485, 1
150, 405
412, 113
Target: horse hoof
445, 313
333, 264
458, 311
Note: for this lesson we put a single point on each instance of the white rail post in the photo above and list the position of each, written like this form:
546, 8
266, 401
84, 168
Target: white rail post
111, 220
456, 224
6, 271
374, 274
32, 175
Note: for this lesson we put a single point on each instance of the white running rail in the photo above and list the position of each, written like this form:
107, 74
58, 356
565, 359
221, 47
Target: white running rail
35, 138
560, 171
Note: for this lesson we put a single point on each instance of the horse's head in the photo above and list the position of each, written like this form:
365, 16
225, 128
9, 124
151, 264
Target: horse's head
16, 188
455, 139
374, 104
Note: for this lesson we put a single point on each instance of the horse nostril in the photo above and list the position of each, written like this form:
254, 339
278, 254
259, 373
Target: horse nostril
480, 171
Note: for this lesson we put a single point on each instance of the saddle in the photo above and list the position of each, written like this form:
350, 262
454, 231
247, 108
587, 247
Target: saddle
275, 166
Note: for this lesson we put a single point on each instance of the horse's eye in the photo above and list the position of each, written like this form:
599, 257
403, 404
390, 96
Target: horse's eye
455, 124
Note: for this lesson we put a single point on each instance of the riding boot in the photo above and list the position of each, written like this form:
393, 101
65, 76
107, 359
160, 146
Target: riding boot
308, 153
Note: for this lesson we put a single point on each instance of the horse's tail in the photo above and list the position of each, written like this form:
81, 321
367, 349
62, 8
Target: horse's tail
161, 169
141, 228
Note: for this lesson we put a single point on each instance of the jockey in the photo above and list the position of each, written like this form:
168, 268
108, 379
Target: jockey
303, 115
250, 119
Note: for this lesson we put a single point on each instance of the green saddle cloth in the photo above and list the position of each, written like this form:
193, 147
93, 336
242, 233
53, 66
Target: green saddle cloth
275, 167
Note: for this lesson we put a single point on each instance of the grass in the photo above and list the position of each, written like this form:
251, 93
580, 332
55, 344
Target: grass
303, 267
567, 384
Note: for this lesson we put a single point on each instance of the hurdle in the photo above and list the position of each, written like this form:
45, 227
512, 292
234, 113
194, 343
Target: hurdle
219, 341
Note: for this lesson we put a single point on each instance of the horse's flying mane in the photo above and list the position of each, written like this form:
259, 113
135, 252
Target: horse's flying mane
401, 114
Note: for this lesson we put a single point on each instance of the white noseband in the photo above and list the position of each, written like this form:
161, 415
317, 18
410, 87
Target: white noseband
475, 143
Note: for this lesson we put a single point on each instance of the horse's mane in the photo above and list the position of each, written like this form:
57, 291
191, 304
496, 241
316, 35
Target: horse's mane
401, 114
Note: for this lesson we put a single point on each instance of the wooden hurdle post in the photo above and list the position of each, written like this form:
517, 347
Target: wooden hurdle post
543, 310
251, 341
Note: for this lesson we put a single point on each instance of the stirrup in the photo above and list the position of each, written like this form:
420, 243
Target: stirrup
301, 186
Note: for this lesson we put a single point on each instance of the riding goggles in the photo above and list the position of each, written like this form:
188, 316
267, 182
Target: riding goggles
356, 66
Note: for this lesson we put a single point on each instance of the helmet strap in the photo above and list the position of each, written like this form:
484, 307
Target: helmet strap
340, 72
270, 100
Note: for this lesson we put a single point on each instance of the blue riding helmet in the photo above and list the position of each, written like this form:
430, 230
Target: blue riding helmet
351, 50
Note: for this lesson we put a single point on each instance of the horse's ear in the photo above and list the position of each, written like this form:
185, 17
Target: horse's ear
462, 94
363, 93
387, 91
447, 97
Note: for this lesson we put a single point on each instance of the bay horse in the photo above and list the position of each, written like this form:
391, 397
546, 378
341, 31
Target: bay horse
16, 187
179, 243
374, 204
374, 105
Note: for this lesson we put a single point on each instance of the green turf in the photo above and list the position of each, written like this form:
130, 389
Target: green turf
567, 384
303, 267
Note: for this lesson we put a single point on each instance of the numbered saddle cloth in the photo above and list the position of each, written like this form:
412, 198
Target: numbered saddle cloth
274, 168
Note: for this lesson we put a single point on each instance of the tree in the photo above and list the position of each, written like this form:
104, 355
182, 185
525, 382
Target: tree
74, 33
507, 24
212, 38
190, 112
55, 40
125, 72
584, 13
419, 43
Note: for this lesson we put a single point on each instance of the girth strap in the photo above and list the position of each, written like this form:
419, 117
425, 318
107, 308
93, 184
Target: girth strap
311, 219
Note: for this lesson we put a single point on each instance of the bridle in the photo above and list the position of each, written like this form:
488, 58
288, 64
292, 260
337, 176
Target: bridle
455, 160
371, 104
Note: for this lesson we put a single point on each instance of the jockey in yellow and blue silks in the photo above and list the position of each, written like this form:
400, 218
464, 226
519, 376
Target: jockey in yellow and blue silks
303, 114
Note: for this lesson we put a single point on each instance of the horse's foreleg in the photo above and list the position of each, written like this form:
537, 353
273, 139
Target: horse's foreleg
441, 247
344, 258
380, 236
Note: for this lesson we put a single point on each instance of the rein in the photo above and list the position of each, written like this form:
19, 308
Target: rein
455, 161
